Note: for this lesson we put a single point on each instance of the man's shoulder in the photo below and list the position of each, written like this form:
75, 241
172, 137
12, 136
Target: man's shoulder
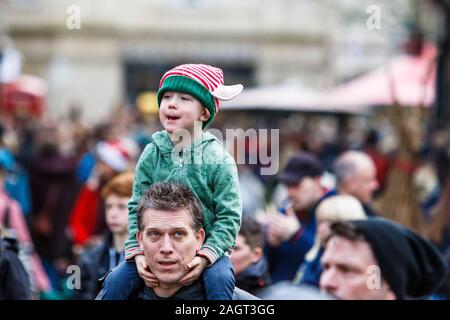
193, 292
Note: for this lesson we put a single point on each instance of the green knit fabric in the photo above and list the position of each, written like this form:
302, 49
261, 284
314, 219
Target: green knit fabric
192, 87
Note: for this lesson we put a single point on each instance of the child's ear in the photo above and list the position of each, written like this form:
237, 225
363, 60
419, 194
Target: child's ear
205, 115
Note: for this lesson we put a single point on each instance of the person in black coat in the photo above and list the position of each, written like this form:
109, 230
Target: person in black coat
14, 281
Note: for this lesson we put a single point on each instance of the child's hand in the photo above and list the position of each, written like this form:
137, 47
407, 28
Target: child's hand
144, 272
195, 267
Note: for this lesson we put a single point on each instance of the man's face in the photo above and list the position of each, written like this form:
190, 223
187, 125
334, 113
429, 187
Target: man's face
180, 110
363, 184
243, 255
169, 243
348, 272
116, 210
304, 194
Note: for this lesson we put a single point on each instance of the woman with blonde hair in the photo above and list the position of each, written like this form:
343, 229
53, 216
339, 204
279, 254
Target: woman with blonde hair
333, 209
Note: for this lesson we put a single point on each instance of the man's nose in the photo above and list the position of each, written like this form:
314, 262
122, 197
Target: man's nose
291, 191
166, 245
328, 281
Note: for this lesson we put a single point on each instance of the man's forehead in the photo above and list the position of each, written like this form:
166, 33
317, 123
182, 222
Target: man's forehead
240, 239
175, 218
342, 250
365, 168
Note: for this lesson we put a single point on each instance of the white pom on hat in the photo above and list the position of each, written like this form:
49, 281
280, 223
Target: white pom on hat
114, 154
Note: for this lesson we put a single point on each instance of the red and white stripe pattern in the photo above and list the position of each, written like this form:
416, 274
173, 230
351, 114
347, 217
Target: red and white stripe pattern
132, 252
208, 76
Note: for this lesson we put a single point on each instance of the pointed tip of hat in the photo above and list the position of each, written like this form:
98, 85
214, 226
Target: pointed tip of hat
225, 93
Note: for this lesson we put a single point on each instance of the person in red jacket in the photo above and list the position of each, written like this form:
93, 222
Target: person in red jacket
87, 218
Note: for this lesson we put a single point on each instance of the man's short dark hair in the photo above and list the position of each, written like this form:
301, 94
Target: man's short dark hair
170, 196
345, 229
253, 232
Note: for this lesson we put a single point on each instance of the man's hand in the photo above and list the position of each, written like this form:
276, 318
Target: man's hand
195, 269
144, 272
282, 227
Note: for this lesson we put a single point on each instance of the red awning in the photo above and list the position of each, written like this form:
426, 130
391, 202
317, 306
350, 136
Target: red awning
409, 80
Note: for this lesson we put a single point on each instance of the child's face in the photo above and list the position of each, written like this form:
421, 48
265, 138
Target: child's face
180, 110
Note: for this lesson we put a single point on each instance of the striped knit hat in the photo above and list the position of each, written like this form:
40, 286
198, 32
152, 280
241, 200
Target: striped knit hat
203, 82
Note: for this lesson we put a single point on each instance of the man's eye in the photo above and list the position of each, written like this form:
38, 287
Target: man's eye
153, 234
346, 269
179, 234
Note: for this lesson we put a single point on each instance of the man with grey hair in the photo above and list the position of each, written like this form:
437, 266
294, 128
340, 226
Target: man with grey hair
356, 176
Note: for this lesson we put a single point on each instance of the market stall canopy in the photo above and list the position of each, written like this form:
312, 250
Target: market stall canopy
288, 96
25, 96
409, 80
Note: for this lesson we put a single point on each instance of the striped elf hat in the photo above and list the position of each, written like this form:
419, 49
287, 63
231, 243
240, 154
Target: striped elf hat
203, 82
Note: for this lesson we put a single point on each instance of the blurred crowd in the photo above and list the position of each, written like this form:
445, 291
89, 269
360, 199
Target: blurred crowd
64, 187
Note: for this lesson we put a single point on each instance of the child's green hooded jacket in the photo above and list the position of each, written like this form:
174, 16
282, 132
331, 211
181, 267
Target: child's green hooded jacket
209, 171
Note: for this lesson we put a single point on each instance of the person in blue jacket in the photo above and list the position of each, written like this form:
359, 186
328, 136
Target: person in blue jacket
290, 232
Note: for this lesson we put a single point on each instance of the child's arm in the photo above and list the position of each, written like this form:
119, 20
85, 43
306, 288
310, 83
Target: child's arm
141, 182
227, 211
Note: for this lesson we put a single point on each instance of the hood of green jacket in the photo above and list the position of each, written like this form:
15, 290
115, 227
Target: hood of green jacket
162, 141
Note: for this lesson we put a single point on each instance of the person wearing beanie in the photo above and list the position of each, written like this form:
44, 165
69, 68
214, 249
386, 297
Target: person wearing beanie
377, 259
189, 99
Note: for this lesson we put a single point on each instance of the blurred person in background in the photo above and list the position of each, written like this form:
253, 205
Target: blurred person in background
356, 175
16, 181
87, 219
330, 210
290, 233
250, 265
14, 225
53, 186
97, 261
14, 280
376, 259
380, 160
252, 191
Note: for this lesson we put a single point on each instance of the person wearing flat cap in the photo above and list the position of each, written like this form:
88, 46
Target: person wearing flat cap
290, 232
377, 259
